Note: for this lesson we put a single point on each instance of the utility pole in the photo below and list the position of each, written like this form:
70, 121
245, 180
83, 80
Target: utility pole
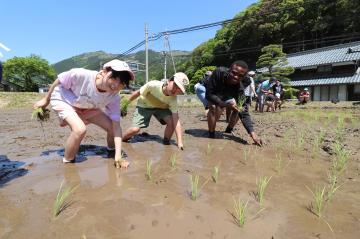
146, 54
167, 44
164, 53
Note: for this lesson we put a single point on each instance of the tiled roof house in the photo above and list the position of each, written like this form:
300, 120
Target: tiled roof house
330, 73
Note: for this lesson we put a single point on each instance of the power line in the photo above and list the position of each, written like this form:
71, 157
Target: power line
157, 36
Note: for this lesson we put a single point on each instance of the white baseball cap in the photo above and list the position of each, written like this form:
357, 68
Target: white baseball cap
181, 80
251, 73
118, 65
277, 95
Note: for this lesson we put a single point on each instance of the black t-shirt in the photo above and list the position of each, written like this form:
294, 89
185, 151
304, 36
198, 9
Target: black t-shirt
218, 90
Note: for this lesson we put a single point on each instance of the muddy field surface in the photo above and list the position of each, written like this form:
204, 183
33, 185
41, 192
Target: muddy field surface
303, 144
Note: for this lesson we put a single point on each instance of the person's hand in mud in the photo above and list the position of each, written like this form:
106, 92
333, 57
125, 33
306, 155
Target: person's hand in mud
121, 163
258, 141
42, 103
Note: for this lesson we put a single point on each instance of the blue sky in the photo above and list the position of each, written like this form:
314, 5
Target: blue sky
59, 29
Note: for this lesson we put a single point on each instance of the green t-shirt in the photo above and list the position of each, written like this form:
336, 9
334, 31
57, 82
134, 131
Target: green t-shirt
152, 96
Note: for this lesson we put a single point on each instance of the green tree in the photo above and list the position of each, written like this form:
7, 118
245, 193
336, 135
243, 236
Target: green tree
274, 61
28, 72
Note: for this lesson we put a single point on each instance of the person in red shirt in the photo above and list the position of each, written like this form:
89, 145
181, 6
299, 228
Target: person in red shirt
304, 96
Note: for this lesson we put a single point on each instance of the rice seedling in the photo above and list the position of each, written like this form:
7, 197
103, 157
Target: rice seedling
215, 175
341, 157
317, 206
300, 141
261, 185
148, 169
340, 129
209, 149
124, 106
240, 211
173, 160
40, 114
333, 184
279, 162
60, 202
195, 190
241, 101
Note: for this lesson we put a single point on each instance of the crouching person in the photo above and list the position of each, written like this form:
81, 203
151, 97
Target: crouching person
224, 89
78, 97
158, 99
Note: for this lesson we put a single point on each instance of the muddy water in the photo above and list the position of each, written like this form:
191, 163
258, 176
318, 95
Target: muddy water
111, 203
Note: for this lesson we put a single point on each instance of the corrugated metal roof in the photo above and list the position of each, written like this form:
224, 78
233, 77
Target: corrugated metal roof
327, 81
325, 55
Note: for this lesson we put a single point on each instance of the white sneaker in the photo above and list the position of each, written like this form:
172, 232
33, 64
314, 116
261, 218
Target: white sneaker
68, 161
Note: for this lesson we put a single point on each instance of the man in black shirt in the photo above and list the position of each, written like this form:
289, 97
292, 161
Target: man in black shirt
223, 90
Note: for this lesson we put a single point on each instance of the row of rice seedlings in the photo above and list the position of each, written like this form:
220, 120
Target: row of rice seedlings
148, 169
215, 175
240, 212
60, 202
341, 158
340, 129
318, 203
261, 185
173, 160
195, 190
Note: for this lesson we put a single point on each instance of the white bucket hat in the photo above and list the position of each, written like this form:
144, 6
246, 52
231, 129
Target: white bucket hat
118, 65
181, 80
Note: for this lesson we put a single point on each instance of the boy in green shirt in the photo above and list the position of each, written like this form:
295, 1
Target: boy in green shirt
159, 99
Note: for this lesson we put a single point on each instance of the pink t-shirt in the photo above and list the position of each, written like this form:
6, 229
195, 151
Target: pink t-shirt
77, 88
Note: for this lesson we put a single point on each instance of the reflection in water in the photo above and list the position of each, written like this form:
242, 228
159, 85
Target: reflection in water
10, 170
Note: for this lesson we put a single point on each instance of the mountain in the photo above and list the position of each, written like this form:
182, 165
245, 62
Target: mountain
94, 61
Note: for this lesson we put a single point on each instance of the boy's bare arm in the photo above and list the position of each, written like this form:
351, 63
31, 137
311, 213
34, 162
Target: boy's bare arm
178, 130
46, 100
134, 95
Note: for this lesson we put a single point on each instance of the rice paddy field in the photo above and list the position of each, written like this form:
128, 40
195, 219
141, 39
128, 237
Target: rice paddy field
304, 183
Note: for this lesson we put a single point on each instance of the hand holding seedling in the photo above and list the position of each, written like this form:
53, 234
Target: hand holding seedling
42, 103
258, 141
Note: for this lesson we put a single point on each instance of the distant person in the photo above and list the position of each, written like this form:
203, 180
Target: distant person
304, 96
263, 90
250, 89
158, 99
223, 90
270, 100
200, 90
78, 97
279, 91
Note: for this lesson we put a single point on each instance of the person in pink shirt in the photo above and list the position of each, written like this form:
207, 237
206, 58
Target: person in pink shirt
80, 96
